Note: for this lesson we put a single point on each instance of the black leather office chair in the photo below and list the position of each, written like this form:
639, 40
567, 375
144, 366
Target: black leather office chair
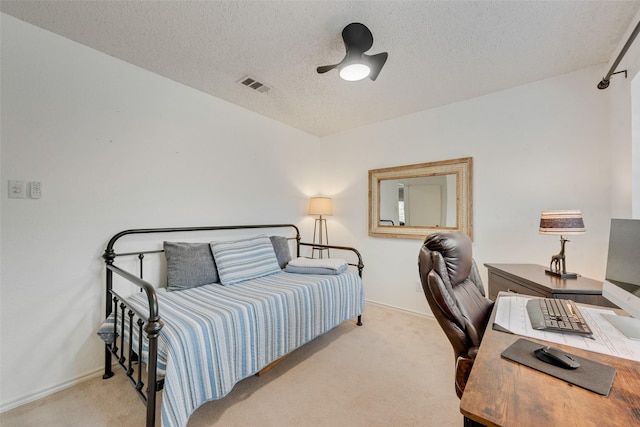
454, 290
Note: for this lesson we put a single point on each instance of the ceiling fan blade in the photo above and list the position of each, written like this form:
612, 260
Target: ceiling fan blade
325, 68
375, 63
357, 37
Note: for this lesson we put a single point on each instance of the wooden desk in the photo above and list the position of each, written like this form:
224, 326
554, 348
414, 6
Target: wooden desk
531, 279
503, 393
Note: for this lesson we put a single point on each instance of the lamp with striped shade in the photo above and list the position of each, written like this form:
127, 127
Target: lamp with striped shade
561, 222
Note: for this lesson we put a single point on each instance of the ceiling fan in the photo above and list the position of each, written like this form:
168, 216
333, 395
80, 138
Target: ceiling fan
356, 65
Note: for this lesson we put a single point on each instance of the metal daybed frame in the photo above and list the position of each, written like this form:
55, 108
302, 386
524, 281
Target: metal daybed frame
126, 356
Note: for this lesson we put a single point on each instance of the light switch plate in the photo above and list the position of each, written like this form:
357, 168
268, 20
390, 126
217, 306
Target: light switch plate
16, 189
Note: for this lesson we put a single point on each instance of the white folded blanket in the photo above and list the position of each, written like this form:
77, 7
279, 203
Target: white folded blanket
303, 265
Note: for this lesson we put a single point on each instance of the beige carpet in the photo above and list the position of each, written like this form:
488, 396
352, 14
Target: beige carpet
395, 370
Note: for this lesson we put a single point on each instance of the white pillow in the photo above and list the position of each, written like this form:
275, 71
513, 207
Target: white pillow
241, 260
317, 266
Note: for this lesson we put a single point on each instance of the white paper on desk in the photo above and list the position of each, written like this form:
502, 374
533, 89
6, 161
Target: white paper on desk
511, 315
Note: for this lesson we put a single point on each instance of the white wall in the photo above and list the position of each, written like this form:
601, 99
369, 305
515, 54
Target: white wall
115, 147
624, 107
624, 116
635, 146
545, 145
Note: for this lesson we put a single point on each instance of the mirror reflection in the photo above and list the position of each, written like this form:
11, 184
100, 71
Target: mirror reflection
424, 201
414, 201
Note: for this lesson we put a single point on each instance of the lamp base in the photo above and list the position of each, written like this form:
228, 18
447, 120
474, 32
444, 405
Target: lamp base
561, 274
319, 229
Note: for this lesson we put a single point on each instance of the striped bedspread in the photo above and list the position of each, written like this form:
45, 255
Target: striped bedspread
215, 336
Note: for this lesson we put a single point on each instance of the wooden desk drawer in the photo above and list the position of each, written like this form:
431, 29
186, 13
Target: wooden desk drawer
498, 284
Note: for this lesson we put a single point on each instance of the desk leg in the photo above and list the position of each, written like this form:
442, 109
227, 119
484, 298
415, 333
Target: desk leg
468, 422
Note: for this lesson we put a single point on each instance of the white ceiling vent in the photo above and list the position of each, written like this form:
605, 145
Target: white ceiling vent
254, 84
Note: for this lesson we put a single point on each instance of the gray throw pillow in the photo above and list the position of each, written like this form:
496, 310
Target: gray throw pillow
189, 265
281, 247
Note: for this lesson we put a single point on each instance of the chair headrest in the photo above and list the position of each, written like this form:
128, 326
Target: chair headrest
455, 248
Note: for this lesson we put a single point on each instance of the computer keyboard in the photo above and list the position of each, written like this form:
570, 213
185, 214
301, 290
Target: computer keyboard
558, 315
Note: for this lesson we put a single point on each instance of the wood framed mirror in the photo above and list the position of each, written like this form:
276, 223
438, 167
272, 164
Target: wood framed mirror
413, 201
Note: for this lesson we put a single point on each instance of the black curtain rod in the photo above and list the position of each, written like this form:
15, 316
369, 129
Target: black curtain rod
604, 83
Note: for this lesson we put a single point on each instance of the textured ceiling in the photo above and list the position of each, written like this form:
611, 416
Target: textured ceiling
439, 51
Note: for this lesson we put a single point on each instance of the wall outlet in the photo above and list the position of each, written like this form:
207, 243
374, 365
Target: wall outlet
16, 189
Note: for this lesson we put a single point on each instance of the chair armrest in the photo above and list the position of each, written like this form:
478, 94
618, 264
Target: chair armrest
464, 363
473, 352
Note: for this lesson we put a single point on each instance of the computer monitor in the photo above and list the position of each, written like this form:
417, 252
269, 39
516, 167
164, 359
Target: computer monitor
622, 279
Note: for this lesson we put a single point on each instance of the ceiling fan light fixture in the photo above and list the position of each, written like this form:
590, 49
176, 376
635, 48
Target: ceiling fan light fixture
356, 65
355, 72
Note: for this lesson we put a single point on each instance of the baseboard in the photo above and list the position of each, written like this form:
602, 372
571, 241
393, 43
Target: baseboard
31, 397
393, 307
